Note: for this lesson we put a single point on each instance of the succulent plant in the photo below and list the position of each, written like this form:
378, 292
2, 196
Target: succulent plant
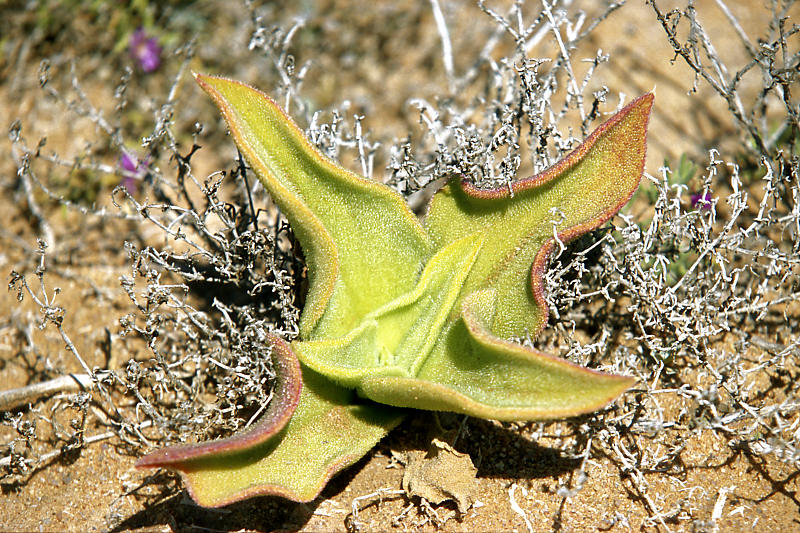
402, 314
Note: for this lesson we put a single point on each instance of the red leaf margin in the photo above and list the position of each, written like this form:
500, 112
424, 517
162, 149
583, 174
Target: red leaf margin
288, 385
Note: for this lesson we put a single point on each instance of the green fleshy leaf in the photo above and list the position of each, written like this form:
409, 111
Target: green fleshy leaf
472, 370
406, 315
329, 431
587, 188
348, 226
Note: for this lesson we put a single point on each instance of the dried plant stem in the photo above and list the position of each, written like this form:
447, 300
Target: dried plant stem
5, 461
447, 47
355, 524
573, 84
47, 234
13, 398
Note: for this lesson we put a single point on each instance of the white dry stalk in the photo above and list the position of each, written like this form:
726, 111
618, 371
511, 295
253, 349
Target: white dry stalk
515, 506
447, 47
380, 494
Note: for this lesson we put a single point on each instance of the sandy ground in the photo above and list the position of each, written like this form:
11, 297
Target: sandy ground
518, 474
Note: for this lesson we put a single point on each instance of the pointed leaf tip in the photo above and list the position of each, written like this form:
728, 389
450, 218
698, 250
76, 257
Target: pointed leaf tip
630, 144
281, 407
473, 372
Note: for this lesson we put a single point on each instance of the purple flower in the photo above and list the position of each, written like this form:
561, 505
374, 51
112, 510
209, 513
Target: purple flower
145, 50
701, 199
133, 171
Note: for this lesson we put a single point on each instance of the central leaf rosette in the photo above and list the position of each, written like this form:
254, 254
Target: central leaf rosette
396, 339
432, 348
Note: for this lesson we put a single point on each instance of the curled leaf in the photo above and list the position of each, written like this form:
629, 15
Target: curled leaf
286, 396
471, 371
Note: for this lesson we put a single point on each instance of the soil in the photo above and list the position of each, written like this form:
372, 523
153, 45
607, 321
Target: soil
520, 473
